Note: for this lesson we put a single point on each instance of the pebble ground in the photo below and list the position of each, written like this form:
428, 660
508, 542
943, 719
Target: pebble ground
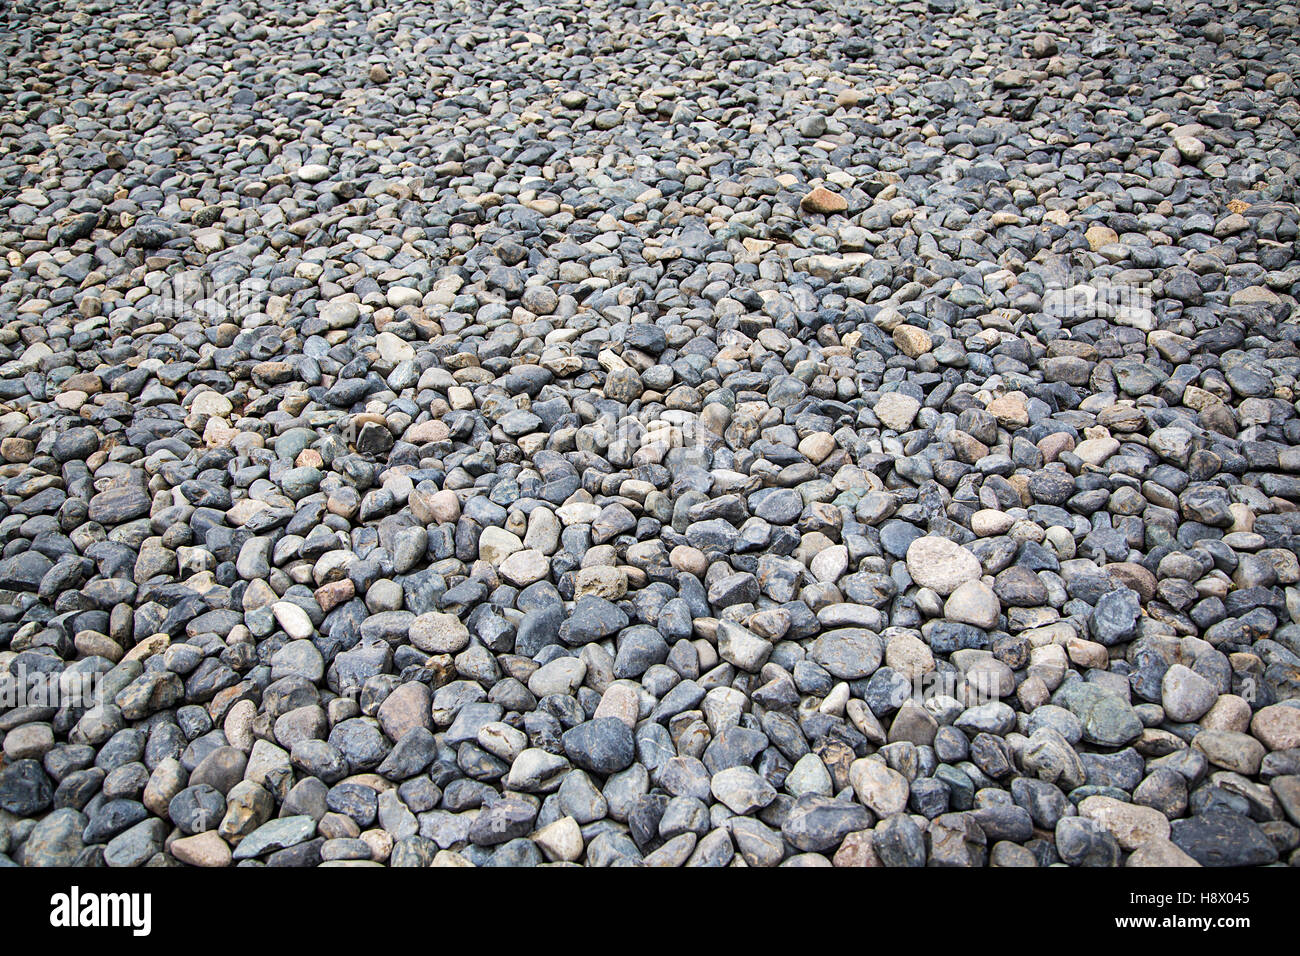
725, 433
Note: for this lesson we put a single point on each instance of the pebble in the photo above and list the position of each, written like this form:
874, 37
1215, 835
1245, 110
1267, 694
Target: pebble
1223, 838
973, 602
1132, 826
940, 564
203, 849
275, 835
1186, 695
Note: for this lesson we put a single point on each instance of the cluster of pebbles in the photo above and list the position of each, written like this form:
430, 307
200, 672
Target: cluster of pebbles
708, 433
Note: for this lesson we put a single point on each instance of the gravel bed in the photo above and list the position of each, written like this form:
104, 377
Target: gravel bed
648, 433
